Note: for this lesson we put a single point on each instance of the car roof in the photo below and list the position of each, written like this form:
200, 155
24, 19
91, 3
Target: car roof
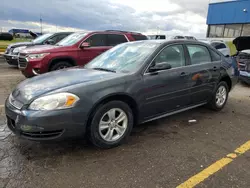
113, 31
172, 41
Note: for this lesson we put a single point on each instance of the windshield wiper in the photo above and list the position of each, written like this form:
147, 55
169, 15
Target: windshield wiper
103, 69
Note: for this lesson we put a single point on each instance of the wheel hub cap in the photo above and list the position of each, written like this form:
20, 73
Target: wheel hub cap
113, 124
221, 96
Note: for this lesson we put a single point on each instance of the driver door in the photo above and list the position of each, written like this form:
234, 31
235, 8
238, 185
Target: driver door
167, 90
98, 45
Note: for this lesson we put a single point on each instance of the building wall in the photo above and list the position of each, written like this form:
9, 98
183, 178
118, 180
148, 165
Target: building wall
229, 12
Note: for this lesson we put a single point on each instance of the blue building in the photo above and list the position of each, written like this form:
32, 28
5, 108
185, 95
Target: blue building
228, 19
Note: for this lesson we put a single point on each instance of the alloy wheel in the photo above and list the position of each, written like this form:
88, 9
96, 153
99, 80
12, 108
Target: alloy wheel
113, 124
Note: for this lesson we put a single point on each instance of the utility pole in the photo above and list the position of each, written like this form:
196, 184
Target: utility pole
41, 24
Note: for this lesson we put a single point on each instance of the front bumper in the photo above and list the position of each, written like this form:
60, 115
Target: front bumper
245, 77
32, 68
45, 125
11, 59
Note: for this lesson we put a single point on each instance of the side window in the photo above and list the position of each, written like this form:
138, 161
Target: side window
198, 54
218, 45
173, 55
54, 38
97, 40
60, 37
140, 37
215, 56
114, 39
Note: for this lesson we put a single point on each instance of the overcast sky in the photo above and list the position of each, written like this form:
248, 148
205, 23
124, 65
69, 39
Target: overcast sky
171, 17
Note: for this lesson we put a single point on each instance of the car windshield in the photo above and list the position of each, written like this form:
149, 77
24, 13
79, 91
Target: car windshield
42, 38
71, 39
126, 57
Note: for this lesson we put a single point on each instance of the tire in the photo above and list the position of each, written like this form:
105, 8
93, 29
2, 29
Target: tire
212, 104
100, 137
60, 65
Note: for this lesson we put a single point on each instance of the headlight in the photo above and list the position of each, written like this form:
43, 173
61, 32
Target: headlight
37, 56
54, 102
18, 49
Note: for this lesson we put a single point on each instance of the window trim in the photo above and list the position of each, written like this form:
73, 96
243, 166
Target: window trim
83, 40
190, 60
181, 44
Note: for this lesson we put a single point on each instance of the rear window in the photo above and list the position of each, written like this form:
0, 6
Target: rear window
218, 45
139, 37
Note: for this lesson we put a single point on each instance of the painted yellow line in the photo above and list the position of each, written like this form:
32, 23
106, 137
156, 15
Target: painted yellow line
215, 167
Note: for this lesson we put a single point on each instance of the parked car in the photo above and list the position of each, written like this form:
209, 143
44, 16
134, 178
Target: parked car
219, 45
11, 53
6, 36
154, 37
190, 38
132, 83
243, 57
76, 49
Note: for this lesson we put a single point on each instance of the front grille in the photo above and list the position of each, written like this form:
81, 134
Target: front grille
248, 67
22, 62
242, 66
15, 103
42, 134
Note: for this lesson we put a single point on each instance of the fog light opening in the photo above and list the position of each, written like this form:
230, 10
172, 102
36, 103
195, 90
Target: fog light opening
36, 71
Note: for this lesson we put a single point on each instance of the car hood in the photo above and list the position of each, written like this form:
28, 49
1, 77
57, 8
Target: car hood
45, 83
40, 49
15, 45
242, 43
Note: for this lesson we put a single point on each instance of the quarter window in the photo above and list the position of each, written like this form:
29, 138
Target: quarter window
97, 40
198, 54
114, 39
173, 55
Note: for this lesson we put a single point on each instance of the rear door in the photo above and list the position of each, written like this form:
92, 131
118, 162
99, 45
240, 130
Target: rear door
204, 71
167, 90
98, 45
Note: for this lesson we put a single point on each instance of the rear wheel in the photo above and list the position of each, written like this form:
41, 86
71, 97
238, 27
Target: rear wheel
60, 65
220, 97
111, 124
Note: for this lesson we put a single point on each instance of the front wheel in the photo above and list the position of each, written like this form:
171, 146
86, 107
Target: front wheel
60, 65
111, 124
220, 97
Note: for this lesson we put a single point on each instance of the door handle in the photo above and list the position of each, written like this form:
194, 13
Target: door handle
183, 74
215, 68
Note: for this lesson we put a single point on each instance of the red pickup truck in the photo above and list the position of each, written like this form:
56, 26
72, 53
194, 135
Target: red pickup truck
76, 49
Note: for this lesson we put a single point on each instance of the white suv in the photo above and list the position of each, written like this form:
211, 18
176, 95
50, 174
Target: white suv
219, 45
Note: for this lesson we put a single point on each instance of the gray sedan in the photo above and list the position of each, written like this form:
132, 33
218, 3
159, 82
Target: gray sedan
131, 83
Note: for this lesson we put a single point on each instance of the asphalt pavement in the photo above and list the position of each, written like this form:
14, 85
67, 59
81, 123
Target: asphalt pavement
163, 153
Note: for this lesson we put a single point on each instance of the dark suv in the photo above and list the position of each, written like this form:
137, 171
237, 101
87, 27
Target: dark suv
242, 45
11, 53
76, 49
134, 82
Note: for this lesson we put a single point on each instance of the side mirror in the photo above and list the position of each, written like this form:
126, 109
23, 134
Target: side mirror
160, 66
85, 45
50, 41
